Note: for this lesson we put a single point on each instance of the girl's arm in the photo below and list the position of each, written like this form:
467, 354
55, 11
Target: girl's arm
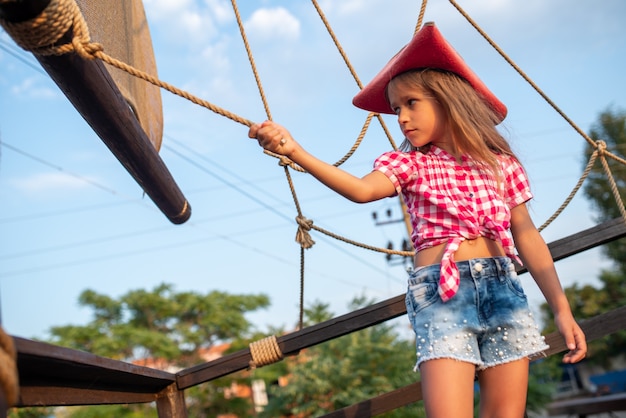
277, 139
537, 259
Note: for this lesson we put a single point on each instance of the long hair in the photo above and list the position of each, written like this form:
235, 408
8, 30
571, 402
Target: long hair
471, 121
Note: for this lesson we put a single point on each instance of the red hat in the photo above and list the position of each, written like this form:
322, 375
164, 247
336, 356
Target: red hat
427, 49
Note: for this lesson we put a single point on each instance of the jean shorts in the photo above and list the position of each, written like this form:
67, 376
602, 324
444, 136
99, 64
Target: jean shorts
486, 323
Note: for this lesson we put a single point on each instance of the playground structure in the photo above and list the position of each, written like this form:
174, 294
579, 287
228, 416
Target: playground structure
50, 375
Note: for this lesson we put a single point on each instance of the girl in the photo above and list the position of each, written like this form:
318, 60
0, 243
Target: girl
466, 193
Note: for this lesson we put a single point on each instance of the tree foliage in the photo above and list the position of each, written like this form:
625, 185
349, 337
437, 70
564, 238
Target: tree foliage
166, 325
588, 301
611, 129
160, 323
345, 370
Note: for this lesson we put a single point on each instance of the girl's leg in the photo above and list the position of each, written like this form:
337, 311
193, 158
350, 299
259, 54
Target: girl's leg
448, 388
503, 390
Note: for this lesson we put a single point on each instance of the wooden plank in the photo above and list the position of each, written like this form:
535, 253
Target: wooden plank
291, 344
89, 87
589, 405
381, 404
53, 375
589, 238
51, 395
44, 366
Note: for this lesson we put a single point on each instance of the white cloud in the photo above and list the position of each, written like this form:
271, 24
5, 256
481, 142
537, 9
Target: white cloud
221, 10
166, 9
47, 182
29, 87
275, 23
346, 7
186, 23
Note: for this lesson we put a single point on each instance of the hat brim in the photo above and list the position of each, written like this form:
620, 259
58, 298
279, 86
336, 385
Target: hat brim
427, 49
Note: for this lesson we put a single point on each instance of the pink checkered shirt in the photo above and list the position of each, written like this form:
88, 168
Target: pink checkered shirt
451, 202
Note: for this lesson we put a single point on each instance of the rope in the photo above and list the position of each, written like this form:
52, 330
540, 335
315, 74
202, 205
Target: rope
264, 352
420, 17
244, 37
620, 204
520, 72
569, 198
8, 369
41, 35
57, 18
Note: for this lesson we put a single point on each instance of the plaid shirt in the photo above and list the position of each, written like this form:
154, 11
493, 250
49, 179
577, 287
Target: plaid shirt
450, 202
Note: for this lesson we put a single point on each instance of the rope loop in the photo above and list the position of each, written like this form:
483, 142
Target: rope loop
284, 161
9, 381
302, 236
264, 352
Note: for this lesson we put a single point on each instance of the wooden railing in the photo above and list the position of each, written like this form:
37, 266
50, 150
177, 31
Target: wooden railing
51, 375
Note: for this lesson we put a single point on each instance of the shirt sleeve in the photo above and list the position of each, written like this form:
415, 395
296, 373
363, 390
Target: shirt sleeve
516, 184
396, 166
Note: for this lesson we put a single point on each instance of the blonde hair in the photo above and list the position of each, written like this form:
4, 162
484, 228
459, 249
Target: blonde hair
471, 121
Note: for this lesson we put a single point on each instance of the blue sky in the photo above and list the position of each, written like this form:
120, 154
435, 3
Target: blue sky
72, 218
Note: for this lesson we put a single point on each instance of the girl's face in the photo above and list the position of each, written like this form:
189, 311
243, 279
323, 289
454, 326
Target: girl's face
421, 118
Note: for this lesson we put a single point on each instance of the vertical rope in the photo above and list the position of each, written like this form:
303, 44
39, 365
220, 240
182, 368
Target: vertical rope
420, 17
251, 59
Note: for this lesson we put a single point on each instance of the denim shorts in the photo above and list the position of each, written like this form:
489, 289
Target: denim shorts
486, 323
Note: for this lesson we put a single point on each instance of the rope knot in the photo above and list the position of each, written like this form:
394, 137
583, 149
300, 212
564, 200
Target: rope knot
601, 146
284, 161
302, 236
264, 352
87, 50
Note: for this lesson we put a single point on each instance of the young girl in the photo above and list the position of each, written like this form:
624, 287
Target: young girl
466, 193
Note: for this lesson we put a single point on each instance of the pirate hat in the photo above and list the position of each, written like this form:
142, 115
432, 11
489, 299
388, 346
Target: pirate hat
427, 49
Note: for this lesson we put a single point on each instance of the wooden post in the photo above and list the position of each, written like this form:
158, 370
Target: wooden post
3, 405
171, 403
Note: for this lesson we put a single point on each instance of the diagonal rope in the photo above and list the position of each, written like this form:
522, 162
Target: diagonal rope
40, 36
600, 146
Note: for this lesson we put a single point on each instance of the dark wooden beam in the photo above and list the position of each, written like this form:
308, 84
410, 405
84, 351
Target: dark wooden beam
89, 87
292, 343
17, 11
52, 375
589, 406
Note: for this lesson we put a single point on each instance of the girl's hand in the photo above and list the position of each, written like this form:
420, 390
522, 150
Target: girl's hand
574, 338
273, 137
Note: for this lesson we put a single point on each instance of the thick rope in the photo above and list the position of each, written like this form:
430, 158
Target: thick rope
569, 198
244, 37
520, 72
420, 17
611, 180
41, 34
264, 352
9, 380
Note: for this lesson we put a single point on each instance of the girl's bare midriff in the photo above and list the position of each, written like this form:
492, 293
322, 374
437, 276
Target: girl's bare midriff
474, 248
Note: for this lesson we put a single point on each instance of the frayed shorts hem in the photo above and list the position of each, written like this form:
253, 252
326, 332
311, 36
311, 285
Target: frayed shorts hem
480, 366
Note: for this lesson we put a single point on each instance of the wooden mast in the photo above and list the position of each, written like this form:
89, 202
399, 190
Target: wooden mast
89, 87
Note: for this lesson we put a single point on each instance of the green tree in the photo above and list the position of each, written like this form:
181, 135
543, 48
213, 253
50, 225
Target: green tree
163, 324
588, 301
345, 370
610, 128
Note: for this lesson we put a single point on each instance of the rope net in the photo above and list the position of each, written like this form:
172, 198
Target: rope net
44, 35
